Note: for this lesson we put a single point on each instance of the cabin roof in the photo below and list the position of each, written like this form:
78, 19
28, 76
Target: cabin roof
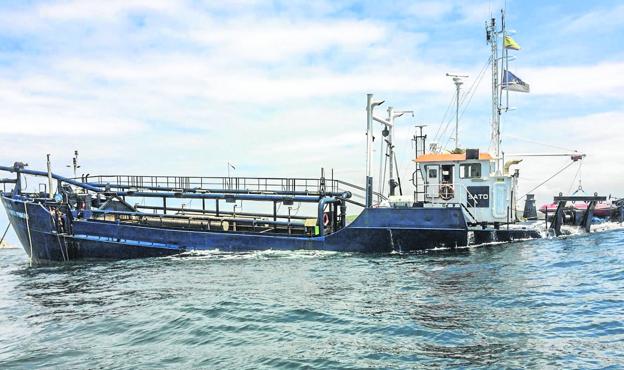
448, 157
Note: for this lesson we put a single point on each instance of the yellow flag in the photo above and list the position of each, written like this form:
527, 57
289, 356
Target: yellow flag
511, 43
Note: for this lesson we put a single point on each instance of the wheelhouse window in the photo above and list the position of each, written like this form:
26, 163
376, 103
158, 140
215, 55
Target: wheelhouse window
470, 170
433, 173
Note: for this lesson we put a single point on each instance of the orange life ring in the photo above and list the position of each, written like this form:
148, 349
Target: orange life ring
325, 219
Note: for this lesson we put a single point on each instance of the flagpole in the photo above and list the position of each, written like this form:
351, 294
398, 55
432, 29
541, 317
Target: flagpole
502, 80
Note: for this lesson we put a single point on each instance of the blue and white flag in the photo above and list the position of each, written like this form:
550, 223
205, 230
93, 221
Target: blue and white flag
511, 82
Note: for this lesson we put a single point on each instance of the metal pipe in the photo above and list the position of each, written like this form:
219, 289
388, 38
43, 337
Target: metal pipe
573, 155
54, 176
258, 197
369, 133
370, 106
229, 219
210, 211
321, 208
251, 197
51, 196
390, 151
383, 121
201, 190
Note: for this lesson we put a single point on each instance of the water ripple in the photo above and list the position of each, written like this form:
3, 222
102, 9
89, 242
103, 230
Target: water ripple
548, 303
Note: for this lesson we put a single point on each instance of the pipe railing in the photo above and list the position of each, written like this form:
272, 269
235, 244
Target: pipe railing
182, 186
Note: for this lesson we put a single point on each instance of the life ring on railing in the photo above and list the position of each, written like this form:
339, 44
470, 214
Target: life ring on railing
325, 219
446, 192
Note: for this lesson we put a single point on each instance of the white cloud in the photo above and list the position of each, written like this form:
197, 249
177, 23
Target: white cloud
598, 135
599, 20
603, 79
430, 9
274, 40
467, 11
54, 124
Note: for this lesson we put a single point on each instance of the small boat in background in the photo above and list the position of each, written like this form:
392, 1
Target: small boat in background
602, 210
606, 209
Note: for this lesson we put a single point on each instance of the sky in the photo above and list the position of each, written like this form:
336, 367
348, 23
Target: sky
279, 87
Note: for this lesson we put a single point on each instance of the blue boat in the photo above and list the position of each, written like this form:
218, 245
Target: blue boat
460, 198
92, 219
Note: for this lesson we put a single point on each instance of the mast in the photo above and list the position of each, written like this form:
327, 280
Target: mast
505, 59
392, 115
495, 143
369, 149
390, 150
457, 80
370, 106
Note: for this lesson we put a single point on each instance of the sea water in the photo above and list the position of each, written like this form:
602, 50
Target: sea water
549, 303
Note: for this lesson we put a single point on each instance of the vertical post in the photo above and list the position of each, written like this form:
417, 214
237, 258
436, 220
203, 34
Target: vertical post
458, 83
18, 180
369, 133
50, 193
217, 206
289, 226
495, 140
457, 86
343, 213
390, 150
508, 216
165, 205
369, 191
369, 150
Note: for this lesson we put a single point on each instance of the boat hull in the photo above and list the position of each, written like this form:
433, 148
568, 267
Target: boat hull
376, 230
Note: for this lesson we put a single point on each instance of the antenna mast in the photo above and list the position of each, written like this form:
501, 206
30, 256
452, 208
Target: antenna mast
495, 143
457, 79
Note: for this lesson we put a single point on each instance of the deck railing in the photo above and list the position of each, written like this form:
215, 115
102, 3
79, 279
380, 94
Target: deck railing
277, 185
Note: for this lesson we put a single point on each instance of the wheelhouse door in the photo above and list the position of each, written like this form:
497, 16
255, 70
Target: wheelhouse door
432, 174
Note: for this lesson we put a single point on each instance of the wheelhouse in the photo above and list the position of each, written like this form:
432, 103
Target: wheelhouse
470, 180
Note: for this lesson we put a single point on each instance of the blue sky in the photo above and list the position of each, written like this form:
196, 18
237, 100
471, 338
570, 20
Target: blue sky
278, 87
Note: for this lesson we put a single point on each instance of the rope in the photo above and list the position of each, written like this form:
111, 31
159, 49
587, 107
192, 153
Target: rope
550, 178
383, 180
467, 96
381, 160
28, 230
58, 239
575, 176
473, 89
438, 134
540, 143
5, 232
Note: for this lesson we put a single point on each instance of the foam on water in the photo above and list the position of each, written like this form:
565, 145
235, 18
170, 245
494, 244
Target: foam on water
217, 254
